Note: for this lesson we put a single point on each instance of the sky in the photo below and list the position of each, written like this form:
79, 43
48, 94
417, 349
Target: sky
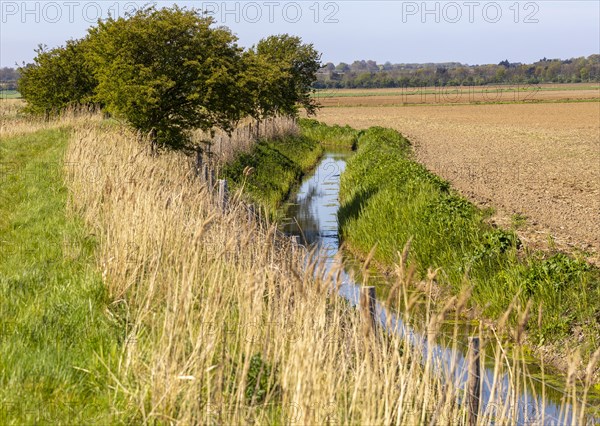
471, 32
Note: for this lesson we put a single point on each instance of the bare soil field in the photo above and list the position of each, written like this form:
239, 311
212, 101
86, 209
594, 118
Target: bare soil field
459, 95
541, 161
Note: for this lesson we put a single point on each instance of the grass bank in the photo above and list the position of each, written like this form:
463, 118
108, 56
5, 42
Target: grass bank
272, 168
57, 340
387, 199
275, 166
334, 136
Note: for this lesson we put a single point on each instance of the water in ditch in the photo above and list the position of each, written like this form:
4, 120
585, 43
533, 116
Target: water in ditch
311, 214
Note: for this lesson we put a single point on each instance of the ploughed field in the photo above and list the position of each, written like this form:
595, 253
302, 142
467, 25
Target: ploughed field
578, 92
536, 164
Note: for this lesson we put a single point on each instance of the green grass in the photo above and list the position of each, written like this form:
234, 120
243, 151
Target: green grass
387, 198
278, 165
336, 136
9, 94
56, 339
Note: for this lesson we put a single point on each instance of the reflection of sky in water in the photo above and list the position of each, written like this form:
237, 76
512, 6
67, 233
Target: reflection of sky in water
316, 204
312, 215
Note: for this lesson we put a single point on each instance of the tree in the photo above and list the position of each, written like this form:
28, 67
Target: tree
8, 78
296, 70
58, 78
260, 86
342, 67
359, 66
167, 71
8, 74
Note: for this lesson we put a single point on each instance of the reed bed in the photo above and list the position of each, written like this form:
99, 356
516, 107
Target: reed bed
14, 122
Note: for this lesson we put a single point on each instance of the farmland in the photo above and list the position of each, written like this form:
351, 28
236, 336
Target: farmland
449, 95
536, 165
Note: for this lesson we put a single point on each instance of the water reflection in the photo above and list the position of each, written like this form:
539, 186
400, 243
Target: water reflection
313, 213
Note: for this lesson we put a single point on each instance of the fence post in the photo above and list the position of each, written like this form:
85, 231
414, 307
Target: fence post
204, 173
223, 194
198, 161
367, 306
211, 178
474, 380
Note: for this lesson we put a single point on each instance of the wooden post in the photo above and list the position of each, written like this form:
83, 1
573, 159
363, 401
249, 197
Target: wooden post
211, 178
367, 306
474, 380
223, 194
198, 161
205, 173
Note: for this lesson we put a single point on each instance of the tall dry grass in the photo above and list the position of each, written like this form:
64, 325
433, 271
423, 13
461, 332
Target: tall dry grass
225, 147
13, 122
225, 324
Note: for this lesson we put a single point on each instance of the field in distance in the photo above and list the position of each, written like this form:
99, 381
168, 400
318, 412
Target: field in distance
9, 94
537, 164
517, 93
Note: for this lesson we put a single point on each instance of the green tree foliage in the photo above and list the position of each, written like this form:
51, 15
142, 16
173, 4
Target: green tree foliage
167, 71
297, 65
58, 78
277, 78
261, 83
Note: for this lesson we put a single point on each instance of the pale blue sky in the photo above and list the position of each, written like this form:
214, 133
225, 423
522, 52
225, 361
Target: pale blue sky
473, 32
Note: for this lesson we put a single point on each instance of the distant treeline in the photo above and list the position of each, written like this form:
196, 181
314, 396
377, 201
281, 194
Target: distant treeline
8, 78
369, 74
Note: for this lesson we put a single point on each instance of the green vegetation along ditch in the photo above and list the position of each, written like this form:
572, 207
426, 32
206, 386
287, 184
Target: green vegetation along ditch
388, 198
57, 343
276, 167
